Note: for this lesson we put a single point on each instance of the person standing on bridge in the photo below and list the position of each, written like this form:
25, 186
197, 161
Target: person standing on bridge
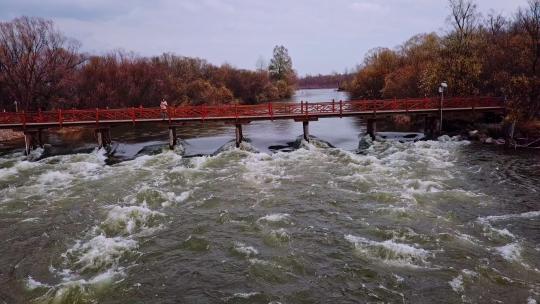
163, 106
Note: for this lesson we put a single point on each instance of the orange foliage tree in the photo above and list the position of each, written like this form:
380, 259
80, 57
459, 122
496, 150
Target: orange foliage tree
42, 69
479, 56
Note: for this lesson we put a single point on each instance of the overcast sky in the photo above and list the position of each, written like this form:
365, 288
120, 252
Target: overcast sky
322, 35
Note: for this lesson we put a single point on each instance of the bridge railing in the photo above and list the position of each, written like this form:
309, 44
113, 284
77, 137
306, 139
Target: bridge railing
268, 110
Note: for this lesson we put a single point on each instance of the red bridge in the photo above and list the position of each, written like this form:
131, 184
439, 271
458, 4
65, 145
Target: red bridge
32, 122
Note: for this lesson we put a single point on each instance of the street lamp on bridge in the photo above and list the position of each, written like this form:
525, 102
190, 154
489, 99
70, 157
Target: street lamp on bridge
16, 106
443, 87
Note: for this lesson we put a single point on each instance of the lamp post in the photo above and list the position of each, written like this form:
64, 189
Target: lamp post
16, 107
442, 88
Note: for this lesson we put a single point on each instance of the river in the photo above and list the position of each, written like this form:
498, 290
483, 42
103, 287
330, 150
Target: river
277, 221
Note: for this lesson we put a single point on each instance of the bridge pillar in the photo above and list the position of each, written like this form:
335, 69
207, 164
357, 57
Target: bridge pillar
103, 136
239, 135
508, 129
371, 127
32, 140
428, 130
172, 138
305, 125
431, 126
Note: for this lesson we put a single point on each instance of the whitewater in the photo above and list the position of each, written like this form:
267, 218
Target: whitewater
444, 221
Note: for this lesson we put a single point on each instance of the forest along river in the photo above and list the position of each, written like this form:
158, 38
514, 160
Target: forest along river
443, 221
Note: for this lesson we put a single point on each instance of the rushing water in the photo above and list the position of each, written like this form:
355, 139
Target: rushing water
442, 221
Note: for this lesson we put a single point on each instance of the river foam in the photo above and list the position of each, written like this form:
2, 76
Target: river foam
106, 250
375, 222
389, 251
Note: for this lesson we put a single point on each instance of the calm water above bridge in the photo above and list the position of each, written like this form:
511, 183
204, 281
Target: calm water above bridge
433, 221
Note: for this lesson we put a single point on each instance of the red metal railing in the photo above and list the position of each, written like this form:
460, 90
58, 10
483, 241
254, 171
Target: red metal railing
261, 111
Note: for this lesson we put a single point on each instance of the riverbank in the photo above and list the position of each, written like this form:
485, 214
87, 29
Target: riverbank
8, 135
493, 134
492, 130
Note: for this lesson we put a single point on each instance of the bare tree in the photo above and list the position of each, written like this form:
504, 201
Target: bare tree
464, 17
36, 60
529, 20
495, 24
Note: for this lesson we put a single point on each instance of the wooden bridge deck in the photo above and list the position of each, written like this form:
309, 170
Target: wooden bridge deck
268, 111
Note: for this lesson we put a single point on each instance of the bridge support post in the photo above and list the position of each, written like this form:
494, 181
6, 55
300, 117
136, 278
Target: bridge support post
32, 140
239, 135
508, 129
28, 142
428, 127
40, 138
431, 127
305, 126
371, 127
103, 136
172, 138
437, 127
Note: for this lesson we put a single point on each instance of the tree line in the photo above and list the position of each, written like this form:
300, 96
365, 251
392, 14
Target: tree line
492, 55
333, 81
40, 68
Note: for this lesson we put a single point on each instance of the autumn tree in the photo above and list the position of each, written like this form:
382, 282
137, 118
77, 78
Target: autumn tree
370, 80
529, 21
417, 73
252, 87
464, 19
5, 99
37, 62
41, 68
493, 56
525, 88
460, 63
203, 92
335, 80
281, 64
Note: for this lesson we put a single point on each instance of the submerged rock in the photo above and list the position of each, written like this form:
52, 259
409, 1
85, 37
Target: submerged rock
160, 148
365, 142
401, 136
444, 138
245, 145
474, 135
36, 154
300, 142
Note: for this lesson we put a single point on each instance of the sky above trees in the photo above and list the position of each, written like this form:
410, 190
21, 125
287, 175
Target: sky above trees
322, 36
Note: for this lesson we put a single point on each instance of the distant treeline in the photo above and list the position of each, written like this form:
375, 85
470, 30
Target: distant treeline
42, 69
334, 81
491, 55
